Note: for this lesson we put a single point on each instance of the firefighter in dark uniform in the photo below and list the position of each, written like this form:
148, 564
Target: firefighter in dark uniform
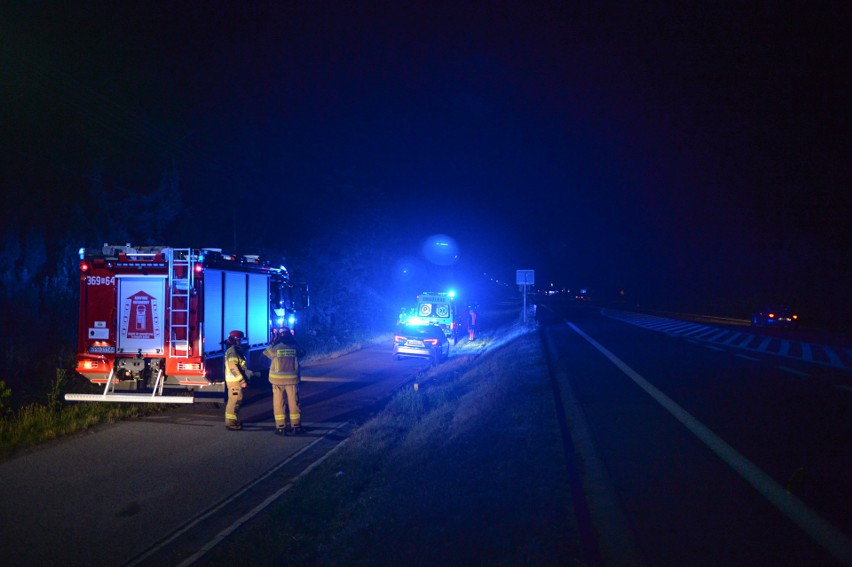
236, 378
285, 375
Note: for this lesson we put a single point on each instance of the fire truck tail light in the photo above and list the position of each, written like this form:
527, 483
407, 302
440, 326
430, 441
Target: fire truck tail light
89, 364
84, 267
199, 268
183, 366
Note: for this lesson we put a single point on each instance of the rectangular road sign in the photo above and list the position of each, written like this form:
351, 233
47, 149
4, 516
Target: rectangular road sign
526, 277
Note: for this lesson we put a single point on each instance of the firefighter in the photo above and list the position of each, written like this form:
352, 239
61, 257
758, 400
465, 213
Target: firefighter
236, 377
285, 375
471, 322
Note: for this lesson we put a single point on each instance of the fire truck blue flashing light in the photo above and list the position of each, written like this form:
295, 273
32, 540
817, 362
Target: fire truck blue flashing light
82, 253
291, 320
451, 293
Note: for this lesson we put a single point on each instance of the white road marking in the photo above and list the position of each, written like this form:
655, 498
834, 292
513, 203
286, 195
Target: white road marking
700, 329
747, 357
807, 352
821, 531
733, 337
718, 334
793, 371
832, 356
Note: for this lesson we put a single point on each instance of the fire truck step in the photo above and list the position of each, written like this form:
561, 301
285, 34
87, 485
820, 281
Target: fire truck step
137, 398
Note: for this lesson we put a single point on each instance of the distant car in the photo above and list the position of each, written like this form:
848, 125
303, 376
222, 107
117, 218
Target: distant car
775, 316
421, 341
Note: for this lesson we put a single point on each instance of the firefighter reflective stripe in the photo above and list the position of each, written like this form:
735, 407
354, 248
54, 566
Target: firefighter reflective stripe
231, 416
285, 362
235, 364
285, 399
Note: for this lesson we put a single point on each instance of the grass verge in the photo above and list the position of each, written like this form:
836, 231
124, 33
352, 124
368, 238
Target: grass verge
36, 423
465, 470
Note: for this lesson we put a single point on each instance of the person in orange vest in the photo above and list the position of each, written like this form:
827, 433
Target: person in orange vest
471, 322
285, 375
236, 377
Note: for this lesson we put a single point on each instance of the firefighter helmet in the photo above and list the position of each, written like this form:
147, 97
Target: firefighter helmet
236, 337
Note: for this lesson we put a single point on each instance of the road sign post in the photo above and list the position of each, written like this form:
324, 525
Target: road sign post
525, 278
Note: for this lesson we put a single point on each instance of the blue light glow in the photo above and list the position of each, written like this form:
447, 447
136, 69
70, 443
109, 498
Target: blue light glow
441, 250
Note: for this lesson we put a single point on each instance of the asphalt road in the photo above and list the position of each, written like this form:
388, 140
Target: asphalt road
695, 448
698, 452
156, 490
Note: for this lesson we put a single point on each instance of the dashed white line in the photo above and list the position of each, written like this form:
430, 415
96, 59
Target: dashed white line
702, 329
821, 531
793, 371
747, 357
832, 356
718, 334
733, 337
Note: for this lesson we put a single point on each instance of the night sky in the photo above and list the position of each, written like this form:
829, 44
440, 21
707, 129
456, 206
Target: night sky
694, 154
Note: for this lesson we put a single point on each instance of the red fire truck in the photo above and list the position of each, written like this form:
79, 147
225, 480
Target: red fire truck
157, 317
